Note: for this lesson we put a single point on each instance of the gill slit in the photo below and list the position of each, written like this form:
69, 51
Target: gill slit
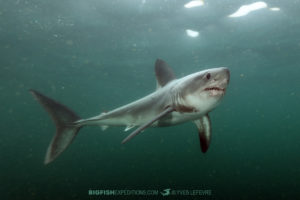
176, 100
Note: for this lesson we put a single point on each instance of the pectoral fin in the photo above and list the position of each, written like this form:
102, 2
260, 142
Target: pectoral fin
204, 131
141, 128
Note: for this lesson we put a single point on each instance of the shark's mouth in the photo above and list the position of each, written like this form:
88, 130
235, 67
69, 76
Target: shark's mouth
215, 89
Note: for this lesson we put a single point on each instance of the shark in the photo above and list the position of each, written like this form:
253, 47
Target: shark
175, 101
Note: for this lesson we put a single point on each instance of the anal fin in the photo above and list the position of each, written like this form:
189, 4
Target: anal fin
104, 127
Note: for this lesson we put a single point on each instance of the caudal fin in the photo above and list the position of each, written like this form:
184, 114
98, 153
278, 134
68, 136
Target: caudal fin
63, 118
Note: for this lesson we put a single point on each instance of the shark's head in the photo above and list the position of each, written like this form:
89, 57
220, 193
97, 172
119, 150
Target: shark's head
202, 91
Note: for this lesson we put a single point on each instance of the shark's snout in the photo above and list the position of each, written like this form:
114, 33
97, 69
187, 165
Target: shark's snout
217, 85
227, 73
224, 73
223, 77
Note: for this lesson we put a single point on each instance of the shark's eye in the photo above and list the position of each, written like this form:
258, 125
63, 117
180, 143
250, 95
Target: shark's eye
208, 76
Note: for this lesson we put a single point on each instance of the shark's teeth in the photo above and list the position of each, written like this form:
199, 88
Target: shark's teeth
214, 88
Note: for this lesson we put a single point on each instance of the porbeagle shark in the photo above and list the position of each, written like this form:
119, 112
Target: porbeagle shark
175, 101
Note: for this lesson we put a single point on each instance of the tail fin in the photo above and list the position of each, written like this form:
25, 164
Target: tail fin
63, 118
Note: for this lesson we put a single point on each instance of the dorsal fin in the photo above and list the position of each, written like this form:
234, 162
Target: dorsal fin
163, 72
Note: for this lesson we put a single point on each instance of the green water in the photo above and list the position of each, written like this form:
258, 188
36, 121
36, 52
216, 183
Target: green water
97, 55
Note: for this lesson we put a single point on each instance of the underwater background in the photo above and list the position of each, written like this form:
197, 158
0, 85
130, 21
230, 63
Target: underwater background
96, 55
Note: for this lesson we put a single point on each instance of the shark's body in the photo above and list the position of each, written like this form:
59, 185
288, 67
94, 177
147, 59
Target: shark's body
175, 101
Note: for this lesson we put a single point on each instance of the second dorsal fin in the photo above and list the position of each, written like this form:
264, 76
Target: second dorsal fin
164, 74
